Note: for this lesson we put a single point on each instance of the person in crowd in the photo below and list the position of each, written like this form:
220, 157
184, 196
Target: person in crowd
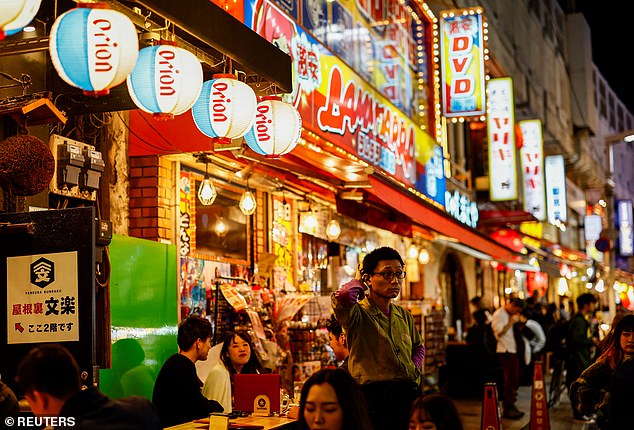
9, 406
482, 346
579, 343
236, 356
477, 305
622, 390
338, 342
507, 351
434, 412
50, 379
589, 392
177, 391
332, 400
386, 349
534, 339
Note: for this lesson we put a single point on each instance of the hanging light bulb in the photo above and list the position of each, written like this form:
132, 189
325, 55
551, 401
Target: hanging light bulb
221, 228
247, 202
207, 192
412, 252
333, 229
309, 222
423, 257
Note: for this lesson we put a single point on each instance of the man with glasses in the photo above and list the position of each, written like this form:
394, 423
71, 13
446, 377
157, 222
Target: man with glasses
386, 349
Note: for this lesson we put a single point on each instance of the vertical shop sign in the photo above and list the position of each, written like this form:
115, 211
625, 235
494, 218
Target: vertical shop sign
42, 298
555, 172
626, 236
500, 130
434, 185
462, 63
187, 220
532, 162
281, 236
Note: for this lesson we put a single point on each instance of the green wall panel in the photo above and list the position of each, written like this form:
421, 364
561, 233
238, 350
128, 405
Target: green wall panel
144, 314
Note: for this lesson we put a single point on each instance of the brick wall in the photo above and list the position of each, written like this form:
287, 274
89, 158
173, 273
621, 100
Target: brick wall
151, 191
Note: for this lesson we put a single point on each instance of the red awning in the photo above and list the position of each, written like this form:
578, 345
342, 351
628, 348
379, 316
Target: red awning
427, 215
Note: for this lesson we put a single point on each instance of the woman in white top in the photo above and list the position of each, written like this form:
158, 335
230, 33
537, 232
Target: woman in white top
236, 356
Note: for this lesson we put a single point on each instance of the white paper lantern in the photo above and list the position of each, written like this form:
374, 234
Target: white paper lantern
93, 48
166, 80
276, 130
16, 14
225, 109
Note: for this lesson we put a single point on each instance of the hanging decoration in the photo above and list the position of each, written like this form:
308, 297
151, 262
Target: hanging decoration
93, 48
225, 109
207, 191
166, 80
16, 14
276, 130
247, 203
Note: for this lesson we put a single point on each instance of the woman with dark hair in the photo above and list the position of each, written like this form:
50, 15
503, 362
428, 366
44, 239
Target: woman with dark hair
434, 412
236, 356
589, 393
332, 400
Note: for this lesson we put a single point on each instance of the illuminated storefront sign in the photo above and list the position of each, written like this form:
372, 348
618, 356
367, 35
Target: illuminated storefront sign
433, 183
626, 236
462, 208
500, 129
372, 120
532, 162
555, 172
462, 54
186, 225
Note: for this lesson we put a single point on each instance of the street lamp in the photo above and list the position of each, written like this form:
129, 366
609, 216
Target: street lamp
610, 141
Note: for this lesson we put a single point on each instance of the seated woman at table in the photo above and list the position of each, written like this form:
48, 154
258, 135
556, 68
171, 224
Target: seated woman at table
236, 356
332, 400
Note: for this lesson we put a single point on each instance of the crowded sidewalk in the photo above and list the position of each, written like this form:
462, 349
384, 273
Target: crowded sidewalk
470, 410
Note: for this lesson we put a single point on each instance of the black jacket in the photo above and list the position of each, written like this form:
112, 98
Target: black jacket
177, 393
93, 410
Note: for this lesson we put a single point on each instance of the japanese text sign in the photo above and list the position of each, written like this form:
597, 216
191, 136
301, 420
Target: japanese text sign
555, 172
362, 94
626, 236
501, 133
462, 64
42, 298
532, 162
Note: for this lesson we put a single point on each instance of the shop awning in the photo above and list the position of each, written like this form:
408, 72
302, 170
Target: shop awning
427, 215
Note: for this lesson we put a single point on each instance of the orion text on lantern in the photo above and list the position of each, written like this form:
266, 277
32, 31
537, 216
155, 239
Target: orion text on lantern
103, 46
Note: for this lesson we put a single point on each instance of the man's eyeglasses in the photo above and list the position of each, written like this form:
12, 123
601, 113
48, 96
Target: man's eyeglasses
388, 276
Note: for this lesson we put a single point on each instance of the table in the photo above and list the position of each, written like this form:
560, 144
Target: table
269, 423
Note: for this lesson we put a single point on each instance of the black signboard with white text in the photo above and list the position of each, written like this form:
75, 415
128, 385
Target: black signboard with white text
47, 286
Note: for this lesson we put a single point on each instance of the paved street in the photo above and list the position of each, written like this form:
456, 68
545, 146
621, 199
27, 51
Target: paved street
560, 415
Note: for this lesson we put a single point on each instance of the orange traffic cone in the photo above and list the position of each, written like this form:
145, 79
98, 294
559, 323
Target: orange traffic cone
490, 412
539, 405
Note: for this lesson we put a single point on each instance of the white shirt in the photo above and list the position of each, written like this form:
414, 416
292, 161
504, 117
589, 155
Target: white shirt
506, 341
218, 386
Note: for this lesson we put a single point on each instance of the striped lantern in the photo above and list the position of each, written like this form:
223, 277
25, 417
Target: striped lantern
225, 109
276, 130
166, 80
16, 14
93, 48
